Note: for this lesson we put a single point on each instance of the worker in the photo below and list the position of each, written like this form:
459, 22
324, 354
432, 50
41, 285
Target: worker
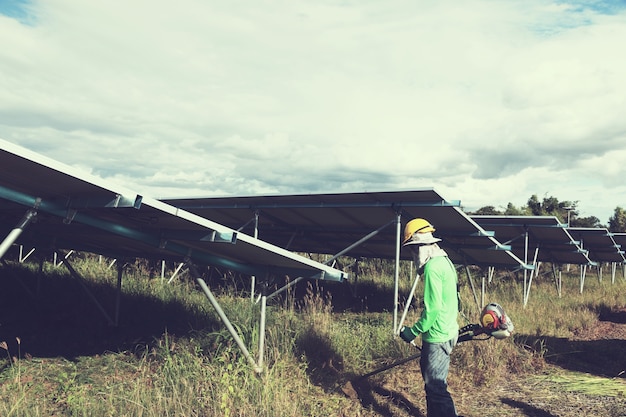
437, 324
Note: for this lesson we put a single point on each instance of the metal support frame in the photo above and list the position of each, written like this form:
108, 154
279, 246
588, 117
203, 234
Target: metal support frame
525, 271
397, 274
482, 291
396, 221
533, 273
176, 271
263, 298
19, 228
557, 273
471, 282
55, 260
22, 257
227, 323
408, 304
583, 272
256, 235
613, 271
583, 269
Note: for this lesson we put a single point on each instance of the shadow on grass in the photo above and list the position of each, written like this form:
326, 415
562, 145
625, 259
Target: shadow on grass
606, 313
325, 369
61, 320
379, 399
527, 409
604, 357
353, 297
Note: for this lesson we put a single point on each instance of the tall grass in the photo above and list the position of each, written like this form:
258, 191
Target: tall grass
187, 364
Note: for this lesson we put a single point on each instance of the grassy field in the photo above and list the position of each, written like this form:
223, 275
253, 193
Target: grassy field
171, 356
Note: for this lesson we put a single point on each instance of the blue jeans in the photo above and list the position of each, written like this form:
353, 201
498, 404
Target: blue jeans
434, 363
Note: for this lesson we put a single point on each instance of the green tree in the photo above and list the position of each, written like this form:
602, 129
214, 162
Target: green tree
617, 222
511, 210
591, 221
551, 206
488, 210
534, 206
566, 211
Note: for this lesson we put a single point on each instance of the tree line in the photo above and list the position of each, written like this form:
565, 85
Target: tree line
566, 211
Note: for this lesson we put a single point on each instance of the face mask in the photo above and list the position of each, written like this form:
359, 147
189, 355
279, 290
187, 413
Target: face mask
423, 253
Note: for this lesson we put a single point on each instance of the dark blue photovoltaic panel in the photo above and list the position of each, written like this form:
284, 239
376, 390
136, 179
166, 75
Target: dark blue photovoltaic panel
544, 236
329, 223
77, 211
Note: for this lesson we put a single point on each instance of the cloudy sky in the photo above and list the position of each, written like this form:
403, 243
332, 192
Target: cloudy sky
486, 101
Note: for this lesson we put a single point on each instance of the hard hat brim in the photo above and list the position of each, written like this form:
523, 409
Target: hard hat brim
421, 239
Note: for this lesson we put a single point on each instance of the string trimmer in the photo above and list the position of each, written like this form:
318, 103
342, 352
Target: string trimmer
493, 323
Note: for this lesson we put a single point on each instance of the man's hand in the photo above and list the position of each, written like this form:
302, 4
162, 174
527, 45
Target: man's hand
407, 334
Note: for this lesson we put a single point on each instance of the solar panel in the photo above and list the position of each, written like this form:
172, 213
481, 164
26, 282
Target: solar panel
83, 212
543, 234
50, 205
599, 242
329, 223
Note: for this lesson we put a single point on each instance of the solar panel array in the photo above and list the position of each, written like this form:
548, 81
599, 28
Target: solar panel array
82, 212
76, 211
544, 236
51, 206
330, 223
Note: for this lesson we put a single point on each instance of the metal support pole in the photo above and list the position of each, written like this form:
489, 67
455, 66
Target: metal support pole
16, 232
532, 274
262, 332
556, 273
256, 235
525, 271
397, 273
360, 241
583, 272
286, 287
24, 257
178, 268
469, 278
67, 255
482, 292
227, 323
408, 303
613, 271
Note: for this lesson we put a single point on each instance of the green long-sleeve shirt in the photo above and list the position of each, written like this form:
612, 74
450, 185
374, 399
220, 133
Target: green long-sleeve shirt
438, 322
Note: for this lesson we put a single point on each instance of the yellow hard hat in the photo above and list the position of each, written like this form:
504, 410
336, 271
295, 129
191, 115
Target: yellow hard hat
417, 225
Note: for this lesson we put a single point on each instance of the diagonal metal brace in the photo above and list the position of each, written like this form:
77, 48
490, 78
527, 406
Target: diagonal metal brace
30, 215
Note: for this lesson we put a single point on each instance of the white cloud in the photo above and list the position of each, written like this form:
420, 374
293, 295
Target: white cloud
488, 102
